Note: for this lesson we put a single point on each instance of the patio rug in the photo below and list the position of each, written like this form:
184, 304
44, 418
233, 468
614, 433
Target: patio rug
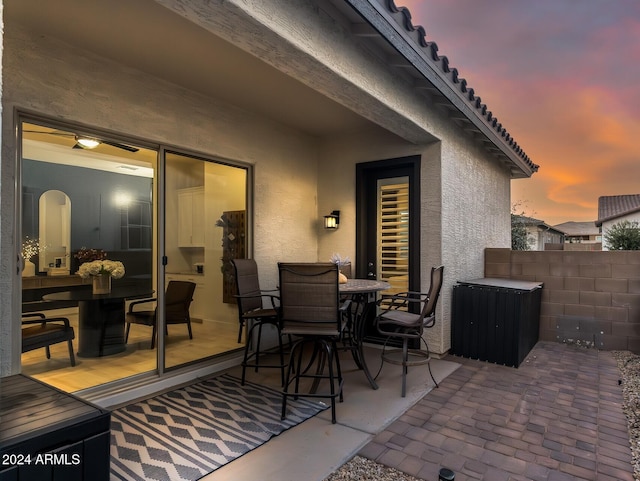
190, 432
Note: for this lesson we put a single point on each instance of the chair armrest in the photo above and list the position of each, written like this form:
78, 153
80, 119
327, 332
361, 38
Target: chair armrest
402, 299
47, 320
429, 321
344, 307
416, 296
141, 301
38, 315
272, 297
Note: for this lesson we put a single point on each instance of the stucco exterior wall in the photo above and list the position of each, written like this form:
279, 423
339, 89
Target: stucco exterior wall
313, 43
475, 214
337, 180
298, 178
465, 206
58, 80
465, 193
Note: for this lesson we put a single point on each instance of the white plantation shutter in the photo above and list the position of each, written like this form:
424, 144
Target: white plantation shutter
393, 232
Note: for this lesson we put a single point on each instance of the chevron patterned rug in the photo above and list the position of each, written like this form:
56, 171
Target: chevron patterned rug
190, 432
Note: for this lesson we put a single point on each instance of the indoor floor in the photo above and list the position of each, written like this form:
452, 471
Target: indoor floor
210, 338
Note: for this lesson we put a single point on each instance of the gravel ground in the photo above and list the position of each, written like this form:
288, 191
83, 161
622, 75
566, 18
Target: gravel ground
361, 469
629, 365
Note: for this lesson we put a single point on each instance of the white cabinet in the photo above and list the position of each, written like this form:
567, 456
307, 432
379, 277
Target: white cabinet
197, 307
191, 217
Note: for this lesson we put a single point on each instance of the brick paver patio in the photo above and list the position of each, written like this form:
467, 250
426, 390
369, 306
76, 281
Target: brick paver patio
558, 417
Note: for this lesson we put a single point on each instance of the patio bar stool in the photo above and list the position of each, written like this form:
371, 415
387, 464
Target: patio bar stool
310, 309
251, 310
396, 321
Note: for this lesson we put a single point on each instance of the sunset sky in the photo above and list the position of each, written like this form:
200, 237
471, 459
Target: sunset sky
563, 77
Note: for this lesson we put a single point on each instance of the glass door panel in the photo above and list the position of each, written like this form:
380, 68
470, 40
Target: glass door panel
205, 227
388, 225
393, 234
79, 199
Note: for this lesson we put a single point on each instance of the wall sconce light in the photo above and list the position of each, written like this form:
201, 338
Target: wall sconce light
332, 221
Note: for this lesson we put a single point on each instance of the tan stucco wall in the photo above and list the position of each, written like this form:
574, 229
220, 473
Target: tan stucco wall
57, 80
298, 178
475, 214
464, 206
313, 43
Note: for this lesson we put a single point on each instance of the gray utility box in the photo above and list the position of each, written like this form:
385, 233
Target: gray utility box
49, 435
495, 320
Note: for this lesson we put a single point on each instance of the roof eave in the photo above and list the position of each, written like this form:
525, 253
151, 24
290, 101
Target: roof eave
599, 222
394, 25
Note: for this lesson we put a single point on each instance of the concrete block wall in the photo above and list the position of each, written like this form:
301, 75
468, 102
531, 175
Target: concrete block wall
587, 296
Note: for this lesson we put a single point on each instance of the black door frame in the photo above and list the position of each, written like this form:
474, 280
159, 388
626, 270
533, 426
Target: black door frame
367, 174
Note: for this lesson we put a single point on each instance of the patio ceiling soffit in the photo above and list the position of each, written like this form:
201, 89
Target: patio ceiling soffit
438, 79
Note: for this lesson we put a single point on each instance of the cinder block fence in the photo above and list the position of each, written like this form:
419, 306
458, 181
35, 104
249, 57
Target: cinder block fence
588, 297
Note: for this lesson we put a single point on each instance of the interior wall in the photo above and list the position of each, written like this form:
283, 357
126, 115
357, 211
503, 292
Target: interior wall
54, 79
224, 191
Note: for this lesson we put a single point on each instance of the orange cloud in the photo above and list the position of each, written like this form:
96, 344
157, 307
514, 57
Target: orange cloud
561, 76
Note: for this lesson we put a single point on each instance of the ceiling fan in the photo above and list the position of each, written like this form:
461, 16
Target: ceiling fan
84, 141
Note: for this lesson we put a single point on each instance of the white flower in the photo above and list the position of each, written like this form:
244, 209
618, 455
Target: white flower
336, 259
97, 268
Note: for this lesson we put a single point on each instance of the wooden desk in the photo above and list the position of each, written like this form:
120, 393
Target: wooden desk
34, 287
71, 436
100, 318
43, 282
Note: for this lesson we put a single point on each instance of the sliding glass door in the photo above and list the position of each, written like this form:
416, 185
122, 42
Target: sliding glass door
79, 202
106, 198
206, 227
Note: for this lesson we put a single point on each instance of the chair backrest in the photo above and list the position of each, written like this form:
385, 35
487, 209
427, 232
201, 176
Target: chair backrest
247, 285
177, 298
429, 308
309, 293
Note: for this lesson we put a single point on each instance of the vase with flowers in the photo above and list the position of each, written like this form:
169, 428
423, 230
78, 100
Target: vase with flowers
344, 267
99, 269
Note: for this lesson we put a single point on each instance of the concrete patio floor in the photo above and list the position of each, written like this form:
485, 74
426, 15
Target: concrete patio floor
315, 448
558, 417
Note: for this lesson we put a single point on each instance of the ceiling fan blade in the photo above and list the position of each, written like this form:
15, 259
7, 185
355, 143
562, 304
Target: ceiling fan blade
77, 146
120, 146
60, 134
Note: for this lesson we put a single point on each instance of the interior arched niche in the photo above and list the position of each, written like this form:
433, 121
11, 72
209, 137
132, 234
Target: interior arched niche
54, 232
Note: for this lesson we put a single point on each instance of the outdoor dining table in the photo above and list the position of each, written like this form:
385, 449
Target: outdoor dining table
362, 293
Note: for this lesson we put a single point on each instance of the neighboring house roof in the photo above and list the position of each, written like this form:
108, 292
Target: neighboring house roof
572, 228
613, 206
443, 79
531, 222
